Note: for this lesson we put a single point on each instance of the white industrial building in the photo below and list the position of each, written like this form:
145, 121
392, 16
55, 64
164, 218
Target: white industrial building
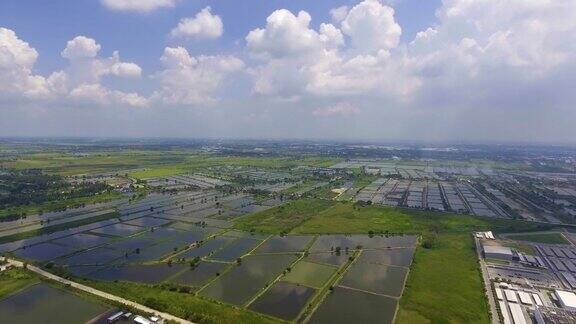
517, 314
485, 235
567, 299
510, 296
497, 252
525, 298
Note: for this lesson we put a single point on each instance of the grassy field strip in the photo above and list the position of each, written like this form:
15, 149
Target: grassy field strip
323, 292
15, 280
283, 218
541, 237
428, 293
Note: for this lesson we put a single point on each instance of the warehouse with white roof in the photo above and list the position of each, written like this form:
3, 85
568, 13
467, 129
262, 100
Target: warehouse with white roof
567, 299
497, 252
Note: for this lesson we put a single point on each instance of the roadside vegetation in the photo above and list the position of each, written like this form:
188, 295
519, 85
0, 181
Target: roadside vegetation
14, 280
181, 304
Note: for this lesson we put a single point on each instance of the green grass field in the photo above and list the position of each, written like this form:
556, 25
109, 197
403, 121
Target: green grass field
69, 164
155, 162
197, 162
549, 238
346, 217
14, 280
283, 218
319, 216
444, 285
184, 305
522, 247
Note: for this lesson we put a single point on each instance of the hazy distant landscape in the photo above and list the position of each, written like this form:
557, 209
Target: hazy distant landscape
213, 230
274, 161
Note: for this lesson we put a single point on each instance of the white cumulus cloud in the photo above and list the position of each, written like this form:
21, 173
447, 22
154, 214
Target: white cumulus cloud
81, 47
285, 35
17, 59
371, 26
191, 81
339, 14
204, 25
138, 5
80, 81
298, 61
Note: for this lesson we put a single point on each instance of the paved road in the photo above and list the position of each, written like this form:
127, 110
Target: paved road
99, 293
491, 302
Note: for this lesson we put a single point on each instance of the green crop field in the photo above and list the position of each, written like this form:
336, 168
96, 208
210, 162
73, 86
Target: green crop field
69, 164
283, 218
549, 238
319, 216
346, 217
196, 162
444, 284
154, 163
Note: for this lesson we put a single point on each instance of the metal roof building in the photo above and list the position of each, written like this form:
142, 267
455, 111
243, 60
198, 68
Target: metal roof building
567, 299
497, 252
517, 314
511, 296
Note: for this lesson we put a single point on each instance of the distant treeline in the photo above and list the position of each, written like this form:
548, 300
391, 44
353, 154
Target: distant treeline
32, 187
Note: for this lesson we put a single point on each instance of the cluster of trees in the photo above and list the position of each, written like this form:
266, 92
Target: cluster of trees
30, 187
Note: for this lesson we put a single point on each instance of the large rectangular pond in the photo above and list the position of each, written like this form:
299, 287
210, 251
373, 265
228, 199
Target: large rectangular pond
44, 304
283, 300
139, 273
277, 244
245, 280
380, 279
349, 306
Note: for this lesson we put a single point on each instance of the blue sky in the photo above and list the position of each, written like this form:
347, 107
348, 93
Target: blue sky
48, 25
475, 70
